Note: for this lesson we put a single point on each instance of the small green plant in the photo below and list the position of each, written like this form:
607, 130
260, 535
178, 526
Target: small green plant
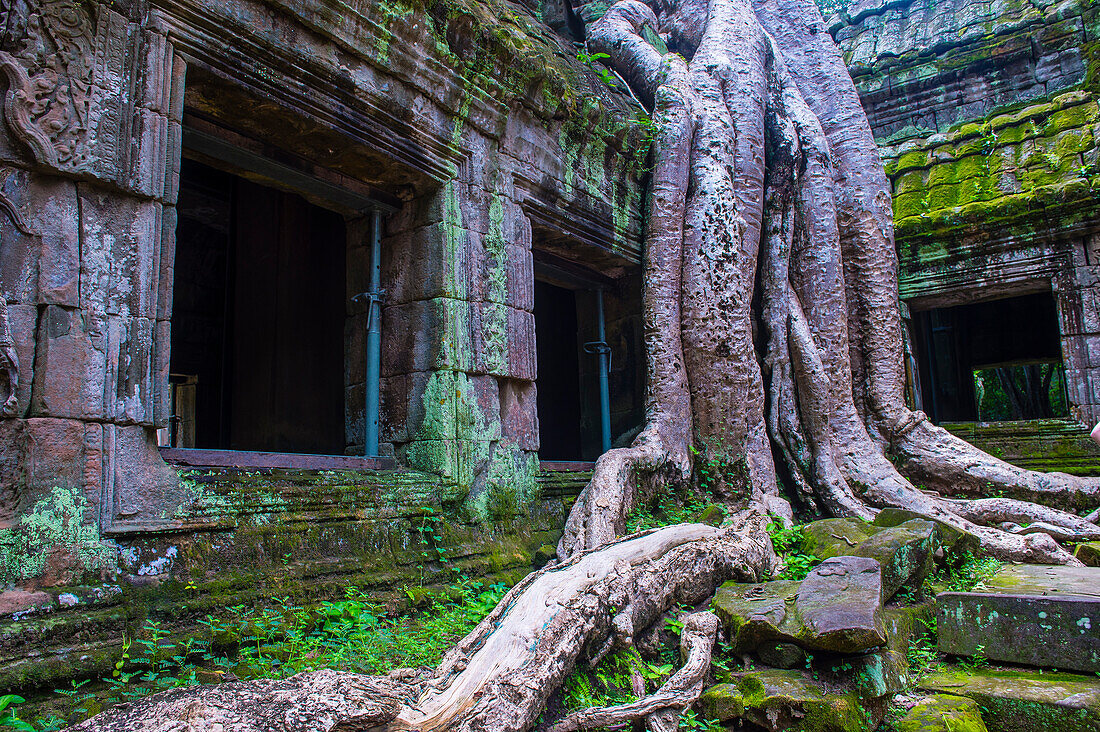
976, 661
967, 572
787, 543
9, 717
593, 60
689, 720
922, 654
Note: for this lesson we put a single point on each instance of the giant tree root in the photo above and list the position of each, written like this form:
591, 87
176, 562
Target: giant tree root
499, 677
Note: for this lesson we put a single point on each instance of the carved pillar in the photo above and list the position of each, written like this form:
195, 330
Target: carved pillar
91, 117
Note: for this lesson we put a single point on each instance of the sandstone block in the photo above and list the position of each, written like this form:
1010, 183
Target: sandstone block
943, 713
837, 608
1035, 615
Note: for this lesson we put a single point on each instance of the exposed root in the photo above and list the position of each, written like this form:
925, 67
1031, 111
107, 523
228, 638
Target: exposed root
663, 708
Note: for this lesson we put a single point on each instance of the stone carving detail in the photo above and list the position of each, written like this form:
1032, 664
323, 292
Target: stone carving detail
9, 359
48, 59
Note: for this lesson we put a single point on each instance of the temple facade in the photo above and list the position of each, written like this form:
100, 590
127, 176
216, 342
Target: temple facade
207, 207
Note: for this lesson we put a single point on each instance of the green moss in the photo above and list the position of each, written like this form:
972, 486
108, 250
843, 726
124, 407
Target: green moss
942, 713
61, 521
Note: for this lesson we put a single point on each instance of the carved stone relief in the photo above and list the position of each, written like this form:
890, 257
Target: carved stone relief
47, 57
9, 358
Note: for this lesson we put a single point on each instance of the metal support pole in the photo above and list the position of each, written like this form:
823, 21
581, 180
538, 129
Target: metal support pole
373, 297
601, 349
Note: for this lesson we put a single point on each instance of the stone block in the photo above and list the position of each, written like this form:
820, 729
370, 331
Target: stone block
129, 383
354, 408
159, 372
837, 608
70, 365
778, 699
50, 208
150, 137
120, 253
1089, 553
432, 412
438, 260
427, 335
433, 456
943, 713
23, 321
1034, 615
518, 413
521, 277
141, 488
166, 275
521, 345
1020, 700
393, 409
478, 416
840, 605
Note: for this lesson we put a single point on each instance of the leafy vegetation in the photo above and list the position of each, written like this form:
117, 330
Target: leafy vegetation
966, 573
353, 634
788, 545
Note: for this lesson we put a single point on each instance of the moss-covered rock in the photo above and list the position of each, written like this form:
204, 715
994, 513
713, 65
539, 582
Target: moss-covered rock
837, 608
1089, 553
793, 700
723, 703
943, 713
1016, 700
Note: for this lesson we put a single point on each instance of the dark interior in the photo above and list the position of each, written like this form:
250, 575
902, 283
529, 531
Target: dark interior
258, 315
558, 388
999, 335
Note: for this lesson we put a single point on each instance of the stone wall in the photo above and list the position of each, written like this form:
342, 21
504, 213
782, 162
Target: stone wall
469, 122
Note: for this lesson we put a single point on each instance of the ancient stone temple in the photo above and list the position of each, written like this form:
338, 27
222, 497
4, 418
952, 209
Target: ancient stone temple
207, 206
986, 114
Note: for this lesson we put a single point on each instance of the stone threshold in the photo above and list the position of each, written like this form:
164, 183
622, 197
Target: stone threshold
200, 458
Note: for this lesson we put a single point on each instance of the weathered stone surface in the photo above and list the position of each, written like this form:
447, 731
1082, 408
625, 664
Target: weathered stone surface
950, 538
781, 655
791, 700
840, 605
903, 624
1030, 614
836, 608
835, 537
1089, 553
943, 713
1025, 701
904, 544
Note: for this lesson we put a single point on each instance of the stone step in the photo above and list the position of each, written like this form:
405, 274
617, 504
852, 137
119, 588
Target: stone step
1024, 700
943, 713
1036, 615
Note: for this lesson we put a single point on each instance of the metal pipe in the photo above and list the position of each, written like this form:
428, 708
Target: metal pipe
374, 338
605, 367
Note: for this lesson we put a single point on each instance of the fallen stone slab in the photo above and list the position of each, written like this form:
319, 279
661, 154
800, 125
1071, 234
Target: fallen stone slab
905, 551
1017, 700
1036, 615
950, 538
837, 608
943, 713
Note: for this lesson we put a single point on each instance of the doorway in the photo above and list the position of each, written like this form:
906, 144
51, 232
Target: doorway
998, 360
257, 358
558, 390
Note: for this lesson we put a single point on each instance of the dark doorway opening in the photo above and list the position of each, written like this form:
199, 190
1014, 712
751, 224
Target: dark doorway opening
992, 361
558, 390
258, 318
